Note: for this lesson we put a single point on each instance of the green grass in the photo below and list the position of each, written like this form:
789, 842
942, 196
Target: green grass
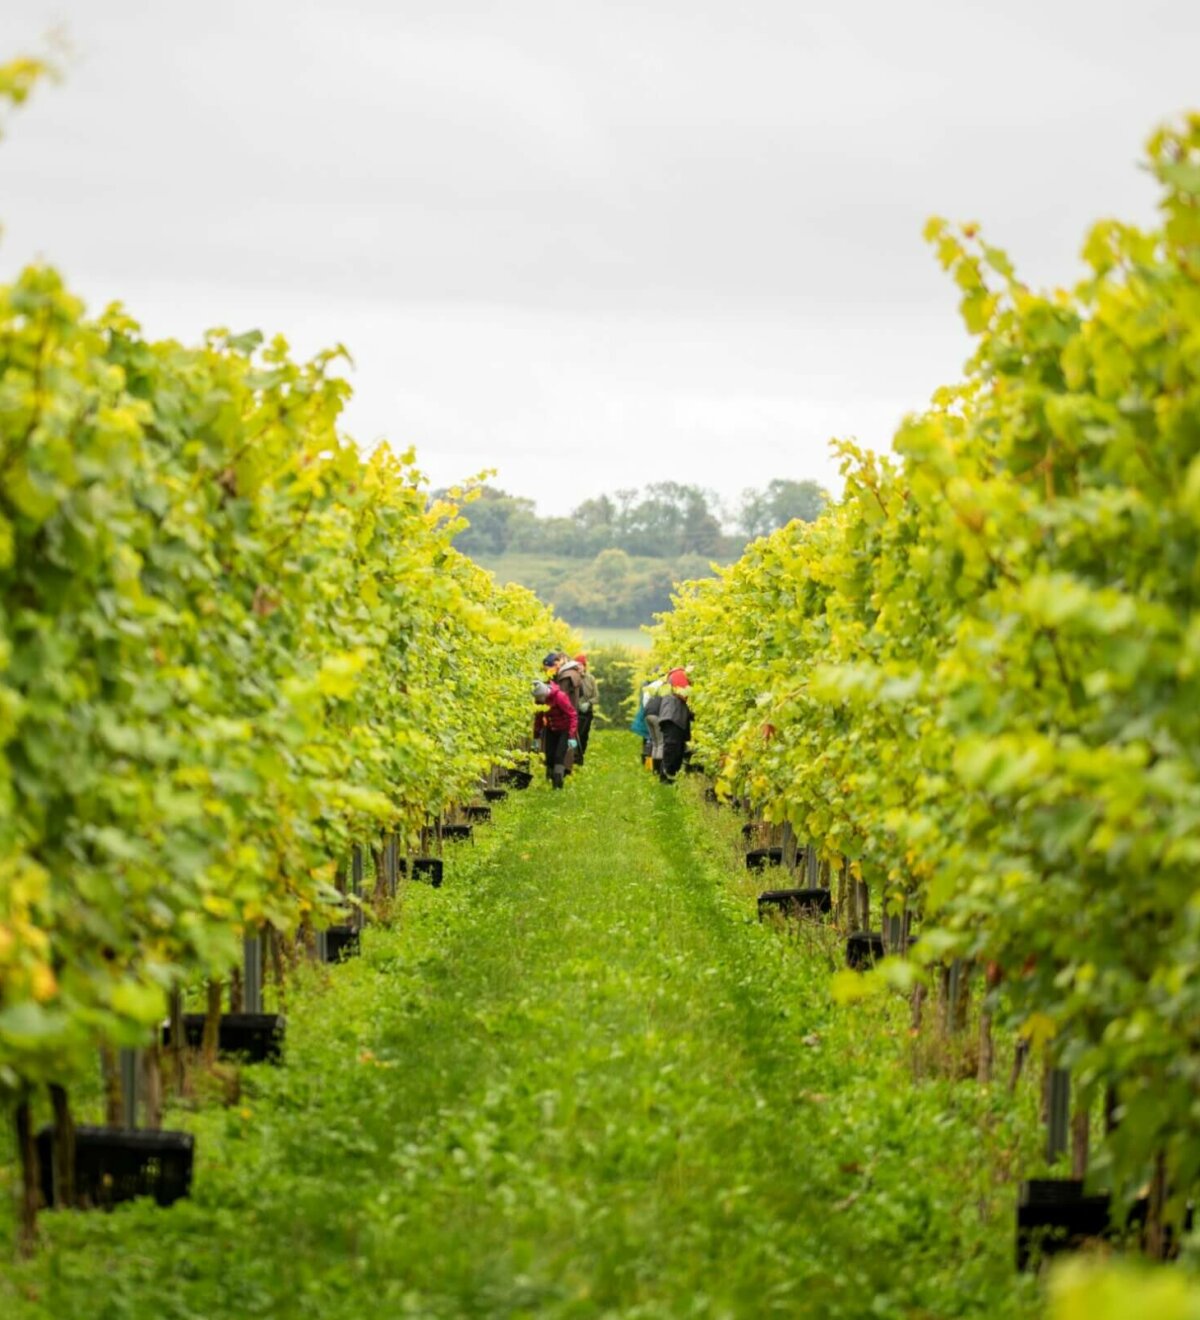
580, 1080
632, 637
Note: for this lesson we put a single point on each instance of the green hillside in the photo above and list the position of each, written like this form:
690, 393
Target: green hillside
614, 590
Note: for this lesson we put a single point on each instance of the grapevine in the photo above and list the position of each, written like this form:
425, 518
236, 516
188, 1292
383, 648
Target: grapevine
974, 680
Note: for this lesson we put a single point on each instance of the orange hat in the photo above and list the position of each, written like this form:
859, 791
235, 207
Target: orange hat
678, 678
581, 659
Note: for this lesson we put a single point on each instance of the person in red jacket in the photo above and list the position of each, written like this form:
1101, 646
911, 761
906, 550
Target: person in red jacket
559, 726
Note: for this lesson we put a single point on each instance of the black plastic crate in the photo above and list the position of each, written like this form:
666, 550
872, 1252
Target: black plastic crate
795, 902
479, 815
864, 948
495, 794
759, 858
1054, 1215
428, 868
342, 942
516, 778
112, 1165
255, 1037
458, 832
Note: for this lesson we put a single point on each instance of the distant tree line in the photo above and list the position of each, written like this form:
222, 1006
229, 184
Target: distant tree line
615, 559
665, 520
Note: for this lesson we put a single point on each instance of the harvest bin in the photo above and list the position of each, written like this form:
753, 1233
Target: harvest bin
428, 868
112, 1165
516, 778
495, 794
795, 902
480, 814
456, 831
757, 858
342, 942
1054, 1215
863, 948
256, 1037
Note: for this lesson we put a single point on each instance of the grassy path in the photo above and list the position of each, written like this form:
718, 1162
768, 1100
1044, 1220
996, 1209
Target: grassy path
578, 1081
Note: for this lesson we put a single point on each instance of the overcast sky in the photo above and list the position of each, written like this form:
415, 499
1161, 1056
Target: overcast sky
589, 245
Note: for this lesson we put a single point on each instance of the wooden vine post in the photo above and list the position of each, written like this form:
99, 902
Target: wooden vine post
30, 1180
1058, 1113
64, 1146
252, 975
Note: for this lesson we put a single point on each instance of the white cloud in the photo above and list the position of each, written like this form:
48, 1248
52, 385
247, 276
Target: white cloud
587, 245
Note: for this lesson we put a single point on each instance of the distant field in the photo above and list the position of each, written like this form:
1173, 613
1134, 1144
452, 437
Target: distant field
533, 571
546, 570
617, 637
565, 583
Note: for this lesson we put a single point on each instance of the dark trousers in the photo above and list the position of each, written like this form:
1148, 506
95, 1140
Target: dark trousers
674, 741
585, 728
555, 742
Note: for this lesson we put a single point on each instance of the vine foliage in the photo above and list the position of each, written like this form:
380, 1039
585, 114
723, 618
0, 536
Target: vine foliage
977, 676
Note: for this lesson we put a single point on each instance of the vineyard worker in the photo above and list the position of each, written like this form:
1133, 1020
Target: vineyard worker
550, 668
675, 725
587, 707
559, 727
652, 694
640, 727
568, 675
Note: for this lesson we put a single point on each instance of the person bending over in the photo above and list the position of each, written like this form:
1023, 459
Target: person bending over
652, 695
559, 726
